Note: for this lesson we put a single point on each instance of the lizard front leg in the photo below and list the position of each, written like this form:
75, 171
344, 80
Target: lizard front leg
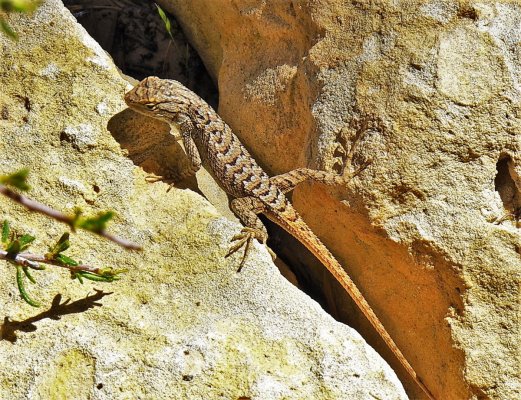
195, 162
247, 210
193, 156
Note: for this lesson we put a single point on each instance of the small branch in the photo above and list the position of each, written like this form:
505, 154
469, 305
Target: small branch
35, 206
32, 260
59, 216
120, 241
17, 259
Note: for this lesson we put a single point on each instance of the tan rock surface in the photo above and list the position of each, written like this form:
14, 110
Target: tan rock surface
434, 88
182, 324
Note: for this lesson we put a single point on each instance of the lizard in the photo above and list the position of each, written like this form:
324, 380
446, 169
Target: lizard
210, 142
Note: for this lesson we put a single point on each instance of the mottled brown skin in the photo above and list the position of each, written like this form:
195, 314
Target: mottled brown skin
209, 141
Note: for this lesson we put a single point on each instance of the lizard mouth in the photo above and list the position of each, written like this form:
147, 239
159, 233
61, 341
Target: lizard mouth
134, 97
129, 98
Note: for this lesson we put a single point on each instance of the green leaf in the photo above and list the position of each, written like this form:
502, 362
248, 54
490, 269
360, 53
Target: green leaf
61, 245
96, 277
25, 241
65, 260
76, 275
28, 274
4, 27
20, 244
166, 21
6, 229
17, 179
93, 277
21, 287
105, 275
19, 5
95, 224
55, 251
13, 247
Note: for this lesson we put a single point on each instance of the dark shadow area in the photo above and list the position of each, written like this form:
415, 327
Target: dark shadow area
151, 146
505, 185
312, 277
142, 44
9, 329
137, 39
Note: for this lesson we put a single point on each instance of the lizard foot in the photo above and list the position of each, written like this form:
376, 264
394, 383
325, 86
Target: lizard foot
171, 178
245, 238
153, 178
358, 170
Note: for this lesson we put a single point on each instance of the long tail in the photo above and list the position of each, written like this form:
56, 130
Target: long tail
291, 221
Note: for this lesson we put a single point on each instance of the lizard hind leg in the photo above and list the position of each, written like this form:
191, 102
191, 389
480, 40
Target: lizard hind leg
288, 181
345, 160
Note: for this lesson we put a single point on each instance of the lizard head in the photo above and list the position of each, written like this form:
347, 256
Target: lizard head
164, 99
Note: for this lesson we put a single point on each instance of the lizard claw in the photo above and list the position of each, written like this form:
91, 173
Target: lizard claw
361, 168
245, 238
153, 178
340, 150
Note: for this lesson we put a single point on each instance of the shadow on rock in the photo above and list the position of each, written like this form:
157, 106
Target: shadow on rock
9, 328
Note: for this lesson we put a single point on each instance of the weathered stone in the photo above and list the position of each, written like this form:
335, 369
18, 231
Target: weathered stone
182, 323
433, 88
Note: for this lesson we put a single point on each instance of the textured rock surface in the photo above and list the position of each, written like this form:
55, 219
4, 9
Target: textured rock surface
434, 88
182, 324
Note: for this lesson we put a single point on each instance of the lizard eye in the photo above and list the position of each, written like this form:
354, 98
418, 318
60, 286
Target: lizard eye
151, 106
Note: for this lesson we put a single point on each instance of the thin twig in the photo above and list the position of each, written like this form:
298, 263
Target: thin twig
59, 216
31, 260
35, 206
120, 241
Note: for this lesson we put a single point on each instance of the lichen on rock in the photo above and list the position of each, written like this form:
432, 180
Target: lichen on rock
433, 89
182, 323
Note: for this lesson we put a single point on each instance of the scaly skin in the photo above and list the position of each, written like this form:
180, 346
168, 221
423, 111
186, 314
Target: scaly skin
209, 141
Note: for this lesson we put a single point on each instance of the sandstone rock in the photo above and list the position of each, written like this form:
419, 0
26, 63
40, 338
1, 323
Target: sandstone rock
182, 324
432, 87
